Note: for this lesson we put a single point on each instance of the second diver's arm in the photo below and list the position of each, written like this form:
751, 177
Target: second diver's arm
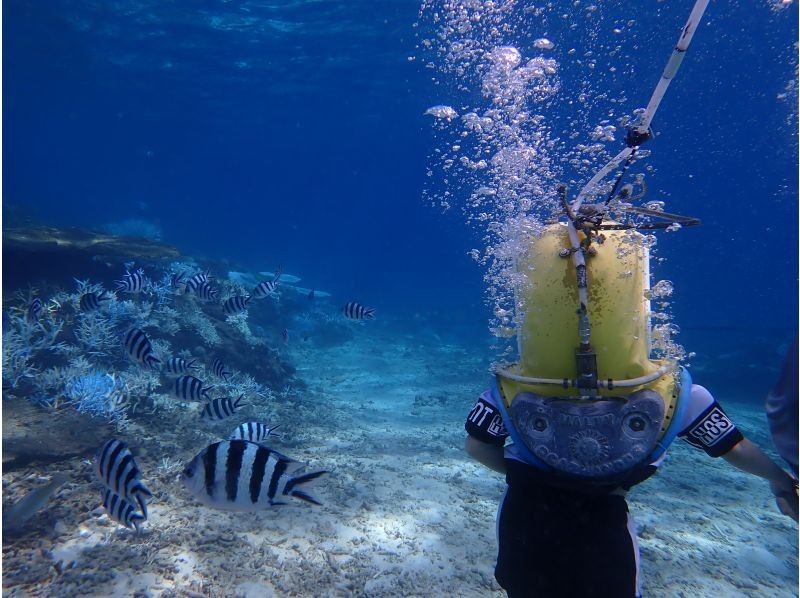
490, 455
750, 458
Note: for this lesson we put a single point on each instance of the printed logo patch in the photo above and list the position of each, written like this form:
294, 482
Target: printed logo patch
711, 429
485, 417
496, 428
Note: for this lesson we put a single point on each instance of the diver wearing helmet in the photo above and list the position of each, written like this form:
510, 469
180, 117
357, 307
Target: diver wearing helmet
590, 413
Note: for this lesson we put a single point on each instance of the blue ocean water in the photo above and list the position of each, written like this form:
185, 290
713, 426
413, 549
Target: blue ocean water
294, 134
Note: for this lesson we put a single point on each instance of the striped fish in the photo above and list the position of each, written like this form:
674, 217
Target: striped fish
139, 348
178, 365
34, 309
219, 409
235, 305
356, 311
92, 301
206, 292
178, 281
116, 469
236, 475
189, 388
267, 287
121, 511
220, 371
252, 432
131, 282
196, 281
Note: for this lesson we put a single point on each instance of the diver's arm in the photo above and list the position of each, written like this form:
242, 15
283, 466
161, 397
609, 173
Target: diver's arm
490, 455
749, 458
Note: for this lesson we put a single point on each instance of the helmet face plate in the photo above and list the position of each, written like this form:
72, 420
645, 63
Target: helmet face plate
589, 438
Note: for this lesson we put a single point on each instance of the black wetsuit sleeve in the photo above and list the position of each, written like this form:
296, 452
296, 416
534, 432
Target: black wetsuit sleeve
712, 431
485, 423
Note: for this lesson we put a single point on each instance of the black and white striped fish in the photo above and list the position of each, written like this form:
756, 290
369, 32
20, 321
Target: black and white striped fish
189, 388
220, 371
178, 281
267, 287
235, 305
121, 511
206, 292
237, 475
138, 347
116, 468
131, 282
196, 281
34, 309
92, 301
356, 311
218, 409
178, 365
252, 432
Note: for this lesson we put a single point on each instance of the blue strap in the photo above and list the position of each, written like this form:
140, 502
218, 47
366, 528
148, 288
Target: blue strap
519, 445
680, 409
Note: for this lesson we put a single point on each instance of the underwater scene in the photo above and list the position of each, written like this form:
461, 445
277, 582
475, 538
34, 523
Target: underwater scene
295, 295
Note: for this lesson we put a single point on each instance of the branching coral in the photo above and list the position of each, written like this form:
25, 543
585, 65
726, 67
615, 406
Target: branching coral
22, 339
98, 394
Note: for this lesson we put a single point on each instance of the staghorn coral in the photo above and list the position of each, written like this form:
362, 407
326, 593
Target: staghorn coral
239, 322
96, 334
99, 395
194, 318
22, 340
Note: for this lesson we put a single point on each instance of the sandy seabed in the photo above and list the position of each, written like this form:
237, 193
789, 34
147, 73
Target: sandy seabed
405, 512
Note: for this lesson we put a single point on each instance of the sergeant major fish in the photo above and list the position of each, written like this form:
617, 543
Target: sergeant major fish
220, 370
131, 282
252, 431
219, 409
121, 511
235, 305
34, 309
178, 365
206, 292
189, 388
267, 287
116, 469
196, 281
356, 311
236, 475
138, 347
92, 301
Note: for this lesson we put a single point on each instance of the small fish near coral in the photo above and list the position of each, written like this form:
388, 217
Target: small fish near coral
179, 365
138, 347
355, 311
220, 371
222, 408
93, 301
189, 388
17, 516
117, 471
132, 282
235, 305
236, 475
252, 432
122, 511
34, 309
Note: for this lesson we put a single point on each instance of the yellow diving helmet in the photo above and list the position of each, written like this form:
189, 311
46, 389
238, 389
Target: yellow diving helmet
592, 410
